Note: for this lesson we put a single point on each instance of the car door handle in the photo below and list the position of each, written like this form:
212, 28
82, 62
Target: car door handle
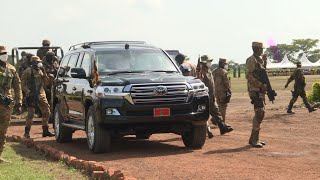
74, 88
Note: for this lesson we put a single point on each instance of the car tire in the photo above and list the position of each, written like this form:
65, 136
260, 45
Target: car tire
98, 138
196, 137
62, 133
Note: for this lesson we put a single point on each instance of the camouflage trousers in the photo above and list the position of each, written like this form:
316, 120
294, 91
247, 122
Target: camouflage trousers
5, 114
221, 101
258, 100
214, 110
45, 109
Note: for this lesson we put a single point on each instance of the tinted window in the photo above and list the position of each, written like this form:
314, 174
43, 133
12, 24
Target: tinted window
86, 64
72, 63
134, 60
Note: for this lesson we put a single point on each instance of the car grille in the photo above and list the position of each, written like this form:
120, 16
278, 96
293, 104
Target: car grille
144, 94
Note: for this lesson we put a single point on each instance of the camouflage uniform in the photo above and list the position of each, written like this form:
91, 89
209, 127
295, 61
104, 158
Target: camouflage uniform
299, 89
50, 64
40, 80
42, 51
256, 92
8, 79
209, 82
222, 87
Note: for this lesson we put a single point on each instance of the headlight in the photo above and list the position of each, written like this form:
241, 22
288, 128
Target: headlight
197, 89
198, 86
104, 90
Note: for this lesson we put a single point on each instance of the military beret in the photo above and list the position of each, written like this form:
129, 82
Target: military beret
205, 59
3, 49
221, 60
257, 44
36, 58
46, 42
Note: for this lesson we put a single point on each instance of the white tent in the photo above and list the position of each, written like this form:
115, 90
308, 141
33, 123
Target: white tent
271, 65
285, 63
305, 62
317, 63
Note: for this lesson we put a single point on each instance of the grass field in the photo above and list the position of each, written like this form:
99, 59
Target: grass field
28, 164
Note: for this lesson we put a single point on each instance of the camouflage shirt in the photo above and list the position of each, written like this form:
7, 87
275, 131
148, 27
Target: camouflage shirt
221, 80
40, 80
251, 64
208, 81
9, 79
299, 79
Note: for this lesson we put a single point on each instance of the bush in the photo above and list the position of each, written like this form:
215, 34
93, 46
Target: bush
314, 96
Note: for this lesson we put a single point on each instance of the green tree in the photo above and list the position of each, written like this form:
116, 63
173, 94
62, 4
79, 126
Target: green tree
307, 46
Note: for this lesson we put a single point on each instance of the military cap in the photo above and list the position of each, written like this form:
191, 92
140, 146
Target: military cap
222, 60
180, 58
35, 58
205, 59
3, 49
257, 44
46, 42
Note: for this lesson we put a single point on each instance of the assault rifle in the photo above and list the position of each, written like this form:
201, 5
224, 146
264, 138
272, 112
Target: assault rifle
262, 76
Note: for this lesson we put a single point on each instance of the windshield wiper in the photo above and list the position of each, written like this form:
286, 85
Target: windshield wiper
120, 72
164, 71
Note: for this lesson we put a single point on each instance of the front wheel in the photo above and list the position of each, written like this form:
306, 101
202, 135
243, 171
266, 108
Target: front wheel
196, 137
98, 138
62, 133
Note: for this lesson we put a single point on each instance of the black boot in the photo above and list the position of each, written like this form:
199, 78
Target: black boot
290, 108
27, 132
224, 128
45, 132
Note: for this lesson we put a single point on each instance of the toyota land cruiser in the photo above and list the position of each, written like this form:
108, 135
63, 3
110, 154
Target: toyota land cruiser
112, 89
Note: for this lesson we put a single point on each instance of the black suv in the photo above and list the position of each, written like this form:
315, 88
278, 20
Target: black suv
140, 91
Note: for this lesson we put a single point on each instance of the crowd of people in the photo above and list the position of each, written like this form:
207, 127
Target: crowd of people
31, 85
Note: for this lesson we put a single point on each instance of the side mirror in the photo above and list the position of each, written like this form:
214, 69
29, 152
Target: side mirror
78, 73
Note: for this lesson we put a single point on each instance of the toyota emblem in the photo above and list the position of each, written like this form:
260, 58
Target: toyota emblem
160, 91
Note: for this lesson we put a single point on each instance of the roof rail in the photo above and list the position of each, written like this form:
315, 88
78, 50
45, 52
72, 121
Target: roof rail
74, 47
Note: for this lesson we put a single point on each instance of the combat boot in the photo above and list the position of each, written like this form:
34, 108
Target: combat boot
223, 128
254, 139
46, 132
311, 109
26, 132
209, 132
289, 111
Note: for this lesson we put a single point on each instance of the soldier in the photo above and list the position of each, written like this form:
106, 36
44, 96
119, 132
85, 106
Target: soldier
8, 79
222, 87
25, 63
180, 59
33, 81
42, 51
256, 91
209, 82
50, 62
299, 89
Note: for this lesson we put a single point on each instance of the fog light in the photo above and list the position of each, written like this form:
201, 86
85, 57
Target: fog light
112, 111
202, 107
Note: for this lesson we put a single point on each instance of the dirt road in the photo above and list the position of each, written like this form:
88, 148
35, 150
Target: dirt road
292, 150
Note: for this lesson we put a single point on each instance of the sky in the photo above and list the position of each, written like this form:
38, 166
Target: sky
218, 28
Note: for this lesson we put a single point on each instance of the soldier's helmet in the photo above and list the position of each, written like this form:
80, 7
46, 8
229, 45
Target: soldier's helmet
205, 59
180, 58
50, 53
223, 61
46, 42
23, 53
35, 59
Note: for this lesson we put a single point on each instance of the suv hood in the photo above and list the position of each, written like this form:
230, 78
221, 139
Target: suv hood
140, 78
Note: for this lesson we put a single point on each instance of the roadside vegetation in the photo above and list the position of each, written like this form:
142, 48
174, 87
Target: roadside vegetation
29, 164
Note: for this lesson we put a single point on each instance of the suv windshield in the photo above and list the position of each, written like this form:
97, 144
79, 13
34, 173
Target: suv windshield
133, 60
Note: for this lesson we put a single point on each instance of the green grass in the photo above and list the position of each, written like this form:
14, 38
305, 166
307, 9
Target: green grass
28, 164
